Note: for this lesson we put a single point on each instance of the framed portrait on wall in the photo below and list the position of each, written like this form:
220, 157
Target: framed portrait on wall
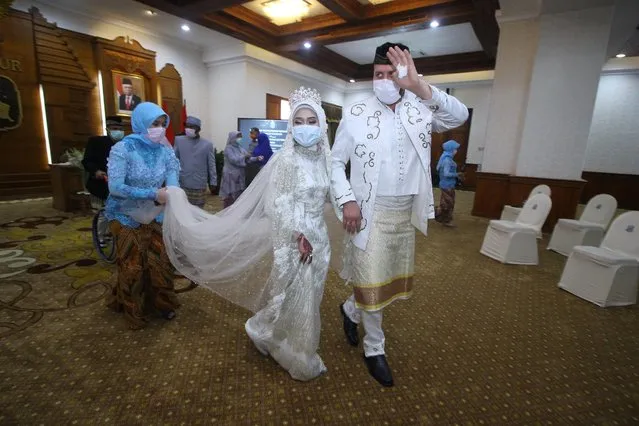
129, 91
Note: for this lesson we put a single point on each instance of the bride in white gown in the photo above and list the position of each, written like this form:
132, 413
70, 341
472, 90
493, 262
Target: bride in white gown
270, 251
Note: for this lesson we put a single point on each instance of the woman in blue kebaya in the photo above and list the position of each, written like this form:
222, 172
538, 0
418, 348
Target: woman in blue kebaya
139, 168
447, 170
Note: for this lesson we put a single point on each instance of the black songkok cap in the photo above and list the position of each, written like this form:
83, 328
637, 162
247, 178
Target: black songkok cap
381, 53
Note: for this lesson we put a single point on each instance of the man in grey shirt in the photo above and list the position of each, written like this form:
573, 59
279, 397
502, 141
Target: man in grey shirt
197, 162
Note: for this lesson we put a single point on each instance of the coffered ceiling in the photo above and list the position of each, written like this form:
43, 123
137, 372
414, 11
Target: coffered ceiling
343, 34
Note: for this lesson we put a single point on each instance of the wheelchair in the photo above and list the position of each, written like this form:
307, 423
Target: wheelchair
103, 242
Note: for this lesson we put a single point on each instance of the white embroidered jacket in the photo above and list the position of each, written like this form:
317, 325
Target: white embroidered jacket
362, 139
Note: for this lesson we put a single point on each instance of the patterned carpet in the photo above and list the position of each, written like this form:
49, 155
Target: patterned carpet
479, 343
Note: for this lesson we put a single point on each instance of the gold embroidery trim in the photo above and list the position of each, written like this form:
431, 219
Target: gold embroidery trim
376, 296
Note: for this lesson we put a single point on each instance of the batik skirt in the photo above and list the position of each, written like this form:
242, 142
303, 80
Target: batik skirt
446, 206
145, 281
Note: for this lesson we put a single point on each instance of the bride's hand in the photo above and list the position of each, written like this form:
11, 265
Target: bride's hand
305, 248
161, 196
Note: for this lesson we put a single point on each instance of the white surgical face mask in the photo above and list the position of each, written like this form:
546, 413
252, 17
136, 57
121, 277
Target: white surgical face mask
156, 134
386, 91
306, 135
190, 132
238, 140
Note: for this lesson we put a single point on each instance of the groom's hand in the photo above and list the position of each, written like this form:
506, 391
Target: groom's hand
352, 217
412, 81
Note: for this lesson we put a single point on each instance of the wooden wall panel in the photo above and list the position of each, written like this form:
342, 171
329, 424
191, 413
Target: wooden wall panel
470, 180
625, 188
69, 124
83, 47
128, 56
491, 194
495, 190
170, 82
64, 63
565, 196
23, 165
273, 107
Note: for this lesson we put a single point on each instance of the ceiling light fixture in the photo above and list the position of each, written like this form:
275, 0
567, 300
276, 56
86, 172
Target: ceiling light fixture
434, 24
621, 55
286, 10
352, 81
186, 28
420, 75
308, 45
150, 12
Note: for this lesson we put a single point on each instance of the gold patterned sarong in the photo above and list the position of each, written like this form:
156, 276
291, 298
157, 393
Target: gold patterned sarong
384, 271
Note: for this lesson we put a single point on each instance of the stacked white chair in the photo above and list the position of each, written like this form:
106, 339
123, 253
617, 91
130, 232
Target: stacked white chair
516, 242
589, 230
607, 275
511, 212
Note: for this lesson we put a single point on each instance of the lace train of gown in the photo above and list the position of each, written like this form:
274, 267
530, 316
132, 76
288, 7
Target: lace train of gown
288, 327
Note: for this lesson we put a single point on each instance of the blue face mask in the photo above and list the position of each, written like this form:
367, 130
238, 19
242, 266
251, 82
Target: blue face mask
306, 135
116, 135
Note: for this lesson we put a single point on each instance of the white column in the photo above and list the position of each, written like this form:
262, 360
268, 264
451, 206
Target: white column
546, 80
513, 70
570, 56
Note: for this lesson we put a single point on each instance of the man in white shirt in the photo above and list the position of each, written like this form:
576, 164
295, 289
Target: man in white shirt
387, 139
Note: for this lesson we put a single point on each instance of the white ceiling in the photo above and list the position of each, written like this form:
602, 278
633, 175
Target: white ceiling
446, 40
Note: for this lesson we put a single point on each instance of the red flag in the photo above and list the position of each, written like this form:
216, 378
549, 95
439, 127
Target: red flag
118, 85
183, 118
170, 133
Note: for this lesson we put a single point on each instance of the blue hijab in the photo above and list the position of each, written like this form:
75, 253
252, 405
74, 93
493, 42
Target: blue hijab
142, 118
263, 148
449, 148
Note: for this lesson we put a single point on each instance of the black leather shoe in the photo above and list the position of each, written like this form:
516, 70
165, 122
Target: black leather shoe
379, 369
350, 328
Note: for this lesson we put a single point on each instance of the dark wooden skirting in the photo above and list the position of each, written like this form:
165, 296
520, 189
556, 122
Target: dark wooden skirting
470, 177
496, 190
67, 181
490, 194
625, 188
25, 185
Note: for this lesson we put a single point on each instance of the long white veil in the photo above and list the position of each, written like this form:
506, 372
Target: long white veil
231, 252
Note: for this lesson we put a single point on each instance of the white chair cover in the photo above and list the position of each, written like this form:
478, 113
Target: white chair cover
511, 212
516, 242
607, 275
588, 230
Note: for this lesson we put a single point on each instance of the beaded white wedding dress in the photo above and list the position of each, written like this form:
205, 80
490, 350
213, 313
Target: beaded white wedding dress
248, 253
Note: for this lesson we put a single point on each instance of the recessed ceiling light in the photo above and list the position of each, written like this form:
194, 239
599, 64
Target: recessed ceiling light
434, 24
621, 55
150, 12
352, 81
308, 45
186, 28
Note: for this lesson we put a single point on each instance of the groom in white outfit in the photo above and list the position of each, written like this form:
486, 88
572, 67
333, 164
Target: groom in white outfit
387, 139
